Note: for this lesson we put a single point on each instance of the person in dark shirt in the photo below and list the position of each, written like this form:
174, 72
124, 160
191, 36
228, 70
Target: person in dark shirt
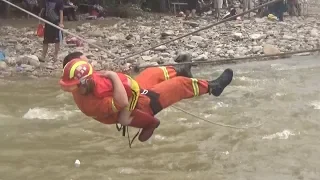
52, 11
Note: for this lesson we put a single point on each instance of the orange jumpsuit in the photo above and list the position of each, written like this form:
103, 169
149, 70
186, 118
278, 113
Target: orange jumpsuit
156, 96
163, 85
105, 110
103, 86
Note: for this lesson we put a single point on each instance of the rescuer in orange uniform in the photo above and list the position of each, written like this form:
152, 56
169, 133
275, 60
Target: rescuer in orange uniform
155, 95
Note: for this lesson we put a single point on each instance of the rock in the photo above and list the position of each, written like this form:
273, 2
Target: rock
230, 52
257, 36
270, 49
314, 32
190, 46
29, 60
156, 59
167, 33
197, 39
203, 45
27, 67
3, 66
92, 41
288, 37
166, 55
117, 37
96, 33
129, 37
202, 57
192, 24
11, 61
260, 20
256, 49
148, 64
129, 45
146, 58
33, 61
50, 67
237, 36
161, 48
97, 66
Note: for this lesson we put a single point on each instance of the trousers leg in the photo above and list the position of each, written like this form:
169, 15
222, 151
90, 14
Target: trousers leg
179, 88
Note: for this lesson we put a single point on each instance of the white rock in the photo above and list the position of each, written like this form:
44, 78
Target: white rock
146, 58
197, 39
256, 36
161, 48
287, 37
237, 36
202, 57
256, 49
314, 32
3, 65
270, 49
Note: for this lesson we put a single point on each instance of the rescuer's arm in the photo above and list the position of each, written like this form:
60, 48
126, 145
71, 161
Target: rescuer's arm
119, 93
124, 117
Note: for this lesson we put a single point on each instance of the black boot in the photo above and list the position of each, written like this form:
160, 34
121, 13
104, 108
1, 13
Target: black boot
183, 69
217, 86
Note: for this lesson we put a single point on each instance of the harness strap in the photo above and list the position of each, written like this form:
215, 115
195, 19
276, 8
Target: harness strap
155, 107
154, 100
126, 129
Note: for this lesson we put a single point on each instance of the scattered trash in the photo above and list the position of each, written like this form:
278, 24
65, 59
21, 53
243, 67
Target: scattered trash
2, 56
77, 163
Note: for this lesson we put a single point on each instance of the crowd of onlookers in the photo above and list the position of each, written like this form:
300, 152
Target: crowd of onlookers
71, 7
196, 7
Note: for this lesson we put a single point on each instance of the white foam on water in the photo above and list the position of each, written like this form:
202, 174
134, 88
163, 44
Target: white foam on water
315, 104
282, 67
280, 94
63, 96
48, 114
220, 105
285, 134
226, 153
244, 78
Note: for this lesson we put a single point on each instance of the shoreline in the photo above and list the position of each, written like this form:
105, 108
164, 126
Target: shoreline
246, 38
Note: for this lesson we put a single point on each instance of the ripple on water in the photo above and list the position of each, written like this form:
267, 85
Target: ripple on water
49, 114
285, 134
315, 104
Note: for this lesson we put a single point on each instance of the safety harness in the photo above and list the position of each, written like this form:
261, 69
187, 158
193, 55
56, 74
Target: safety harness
155, 107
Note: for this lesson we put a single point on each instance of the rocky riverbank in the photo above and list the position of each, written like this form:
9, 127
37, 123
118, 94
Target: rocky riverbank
256, 36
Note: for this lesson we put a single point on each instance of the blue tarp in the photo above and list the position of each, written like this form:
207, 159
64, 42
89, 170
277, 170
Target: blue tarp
2, 56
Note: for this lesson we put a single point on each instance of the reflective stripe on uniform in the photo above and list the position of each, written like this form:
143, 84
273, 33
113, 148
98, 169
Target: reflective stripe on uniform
135, 89
74, 67
165, 72
114, 108
195, 86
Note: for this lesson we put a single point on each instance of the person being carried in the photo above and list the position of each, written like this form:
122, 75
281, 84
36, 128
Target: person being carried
154, 96
100, 86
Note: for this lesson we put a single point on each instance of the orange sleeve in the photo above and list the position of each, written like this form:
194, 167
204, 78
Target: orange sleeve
109, 106
111, 119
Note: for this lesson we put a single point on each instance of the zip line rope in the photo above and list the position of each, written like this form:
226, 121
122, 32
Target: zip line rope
137, 53
230, 60
219, 124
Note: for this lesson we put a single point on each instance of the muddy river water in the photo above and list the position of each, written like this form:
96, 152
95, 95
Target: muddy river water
42, 132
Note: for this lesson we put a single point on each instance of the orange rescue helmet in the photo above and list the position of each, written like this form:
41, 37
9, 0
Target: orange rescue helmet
75, 71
